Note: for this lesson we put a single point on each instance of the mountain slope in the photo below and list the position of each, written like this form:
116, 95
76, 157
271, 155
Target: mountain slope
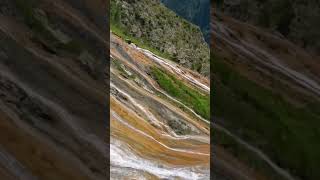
52, 89
156, 132
195, 11
150, 24
160, 109
270, 87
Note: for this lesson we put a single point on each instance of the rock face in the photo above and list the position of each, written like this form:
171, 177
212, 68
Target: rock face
161, 29
296, 20
195, 11
53, 99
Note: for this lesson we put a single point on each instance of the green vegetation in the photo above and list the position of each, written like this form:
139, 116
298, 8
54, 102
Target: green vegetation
288, 134
122, 69
200, 103
195, 11
138, 41
152, 26
119, 30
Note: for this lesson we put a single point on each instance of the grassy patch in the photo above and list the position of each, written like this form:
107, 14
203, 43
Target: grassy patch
288, 134
192, 98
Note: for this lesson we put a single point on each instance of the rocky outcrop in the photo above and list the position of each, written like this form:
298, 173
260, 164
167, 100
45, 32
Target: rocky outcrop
161, 29
53, 99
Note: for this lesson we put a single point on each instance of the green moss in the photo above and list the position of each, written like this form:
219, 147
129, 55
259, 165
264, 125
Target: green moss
200, 103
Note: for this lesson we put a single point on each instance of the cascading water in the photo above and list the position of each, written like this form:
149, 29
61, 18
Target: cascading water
144, 143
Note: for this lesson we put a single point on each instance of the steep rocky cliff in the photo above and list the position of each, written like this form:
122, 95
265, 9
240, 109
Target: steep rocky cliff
150, 24
52, 89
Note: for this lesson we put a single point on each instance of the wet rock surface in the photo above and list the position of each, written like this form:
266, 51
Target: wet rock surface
161, 139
